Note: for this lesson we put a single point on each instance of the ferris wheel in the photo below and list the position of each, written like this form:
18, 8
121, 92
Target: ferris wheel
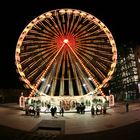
65, 52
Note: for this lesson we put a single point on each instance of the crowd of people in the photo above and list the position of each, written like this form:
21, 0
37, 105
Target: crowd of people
80, 108
34, 110
53, 111
98, 109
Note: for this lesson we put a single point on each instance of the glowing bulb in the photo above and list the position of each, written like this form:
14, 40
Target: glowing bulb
65, 41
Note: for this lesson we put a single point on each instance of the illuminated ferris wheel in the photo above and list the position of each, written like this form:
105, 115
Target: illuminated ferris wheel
65, 52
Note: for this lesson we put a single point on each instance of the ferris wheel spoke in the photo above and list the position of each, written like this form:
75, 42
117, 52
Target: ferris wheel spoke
89, 55
38, 57
38, 38
64, 23
44, 70
97, 71
90, 52
32, 69
56, 26
31, 76
46, 83
100, 56
36, 52
81, 31
80, 27
59, 23
50, 29
45, 32
49, 65
88, 36
76, 25
94, 81
96, 57
90, 48
72, 23
36, 26
84, 79
102, 66
68, 21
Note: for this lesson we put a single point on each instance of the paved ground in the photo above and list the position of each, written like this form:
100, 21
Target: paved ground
72, 124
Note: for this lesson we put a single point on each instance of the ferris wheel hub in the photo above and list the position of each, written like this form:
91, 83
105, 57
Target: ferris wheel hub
66, 41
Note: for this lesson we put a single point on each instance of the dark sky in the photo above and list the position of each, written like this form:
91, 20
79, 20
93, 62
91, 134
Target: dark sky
122, 19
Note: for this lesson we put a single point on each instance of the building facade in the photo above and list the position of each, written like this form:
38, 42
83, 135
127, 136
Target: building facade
124, 84
137, 56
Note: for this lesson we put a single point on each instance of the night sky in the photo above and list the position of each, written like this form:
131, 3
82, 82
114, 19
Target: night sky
122, 19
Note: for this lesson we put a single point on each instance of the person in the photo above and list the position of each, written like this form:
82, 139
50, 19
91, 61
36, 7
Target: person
38, 111
92, 110
27, 109
52, 111
97, 110
62, 111
127, 106
104, 109
82, 108
55, 110
32, 110
78, 107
